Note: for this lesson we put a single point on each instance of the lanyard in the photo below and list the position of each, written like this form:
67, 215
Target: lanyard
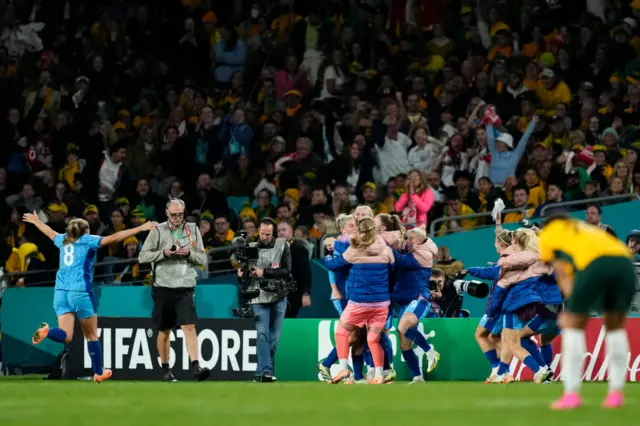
184, 230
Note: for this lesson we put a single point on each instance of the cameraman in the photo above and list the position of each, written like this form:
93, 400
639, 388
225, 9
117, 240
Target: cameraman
274, 262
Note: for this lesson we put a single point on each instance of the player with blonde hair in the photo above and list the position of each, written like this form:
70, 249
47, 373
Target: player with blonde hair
371, 261
73, 295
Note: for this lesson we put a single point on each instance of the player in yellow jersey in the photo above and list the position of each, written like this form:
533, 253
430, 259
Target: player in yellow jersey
595, 273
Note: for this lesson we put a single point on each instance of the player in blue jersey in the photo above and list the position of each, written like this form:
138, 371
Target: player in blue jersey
411, 298
488, 331
338, 280
73, 295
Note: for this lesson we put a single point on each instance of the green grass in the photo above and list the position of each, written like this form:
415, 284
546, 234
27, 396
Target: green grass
31, 401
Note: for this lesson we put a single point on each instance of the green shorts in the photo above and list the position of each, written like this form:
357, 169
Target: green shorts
608, 284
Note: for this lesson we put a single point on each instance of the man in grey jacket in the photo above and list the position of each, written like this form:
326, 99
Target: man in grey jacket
175, 251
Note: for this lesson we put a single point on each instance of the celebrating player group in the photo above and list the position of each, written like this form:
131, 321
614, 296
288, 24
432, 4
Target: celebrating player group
545, 281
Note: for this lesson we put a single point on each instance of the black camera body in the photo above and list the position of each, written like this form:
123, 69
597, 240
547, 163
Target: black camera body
247, 258
250, 286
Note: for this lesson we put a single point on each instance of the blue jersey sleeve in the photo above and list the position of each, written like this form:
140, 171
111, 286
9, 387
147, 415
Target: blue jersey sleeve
58, 239
92, 241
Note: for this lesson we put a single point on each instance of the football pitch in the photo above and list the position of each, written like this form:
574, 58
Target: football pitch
32, 401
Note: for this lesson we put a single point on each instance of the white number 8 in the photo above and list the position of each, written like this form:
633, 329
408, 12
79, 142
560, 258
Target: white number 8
68, 255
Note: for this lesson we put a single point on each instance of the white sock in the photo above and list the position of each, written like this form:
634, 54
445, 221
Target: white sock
379, 372
617, 349
344, 364
574, 348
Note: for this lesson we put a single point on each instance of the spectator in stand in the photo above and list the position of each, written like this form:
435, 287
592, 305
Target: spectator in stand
370, 199
594, 217
447, 264
555, 195
417, 200
520, 201
392, 146
110, 175
504, 157
633, 242
264, 104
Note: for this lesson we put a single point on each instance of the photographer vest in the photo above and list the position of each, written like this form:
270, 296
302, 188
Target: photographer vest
269, 258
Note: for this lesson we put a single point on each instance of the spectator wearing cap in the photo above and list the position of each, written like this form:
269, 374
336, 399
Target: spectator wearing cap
92, 215
594, 217
370, 198
504, 156
416, 201
633, 242
552, 91
57, 214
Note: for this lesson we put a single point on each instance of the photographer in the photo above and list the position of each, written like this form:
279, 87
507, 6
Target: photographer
441, 296
273, 266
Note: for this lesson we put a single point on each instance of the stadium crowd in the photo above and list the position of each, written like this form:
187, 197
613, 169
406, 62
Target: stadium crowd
302, 110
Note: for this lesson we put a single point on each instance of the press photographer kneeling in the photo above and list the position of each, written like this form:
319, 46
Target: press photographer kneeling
448, 292
265, 280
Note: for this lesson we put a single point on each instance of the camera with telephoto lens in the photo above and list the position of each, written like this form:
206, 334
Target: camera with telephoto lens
453, 291
472, 288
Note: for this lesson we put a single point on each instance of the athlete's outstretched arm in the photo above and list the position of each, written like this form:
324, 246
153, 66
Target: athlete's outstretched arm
123, 235
33, 219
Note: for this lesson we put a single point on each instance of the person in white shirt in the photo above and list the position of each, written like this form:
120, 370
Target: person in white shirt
426, 153
333, 77
393, 155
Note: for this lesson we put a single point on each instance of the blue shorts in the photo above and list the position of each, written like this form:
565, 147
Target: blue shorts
420, 308
494, 325
81, 303
544, 326
340, 305
513, 322
395, 311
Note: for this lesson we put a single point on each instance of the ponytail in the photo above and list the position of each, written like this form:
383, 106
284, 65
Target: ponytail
366, 233
391, 222
526, 239
76, 228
